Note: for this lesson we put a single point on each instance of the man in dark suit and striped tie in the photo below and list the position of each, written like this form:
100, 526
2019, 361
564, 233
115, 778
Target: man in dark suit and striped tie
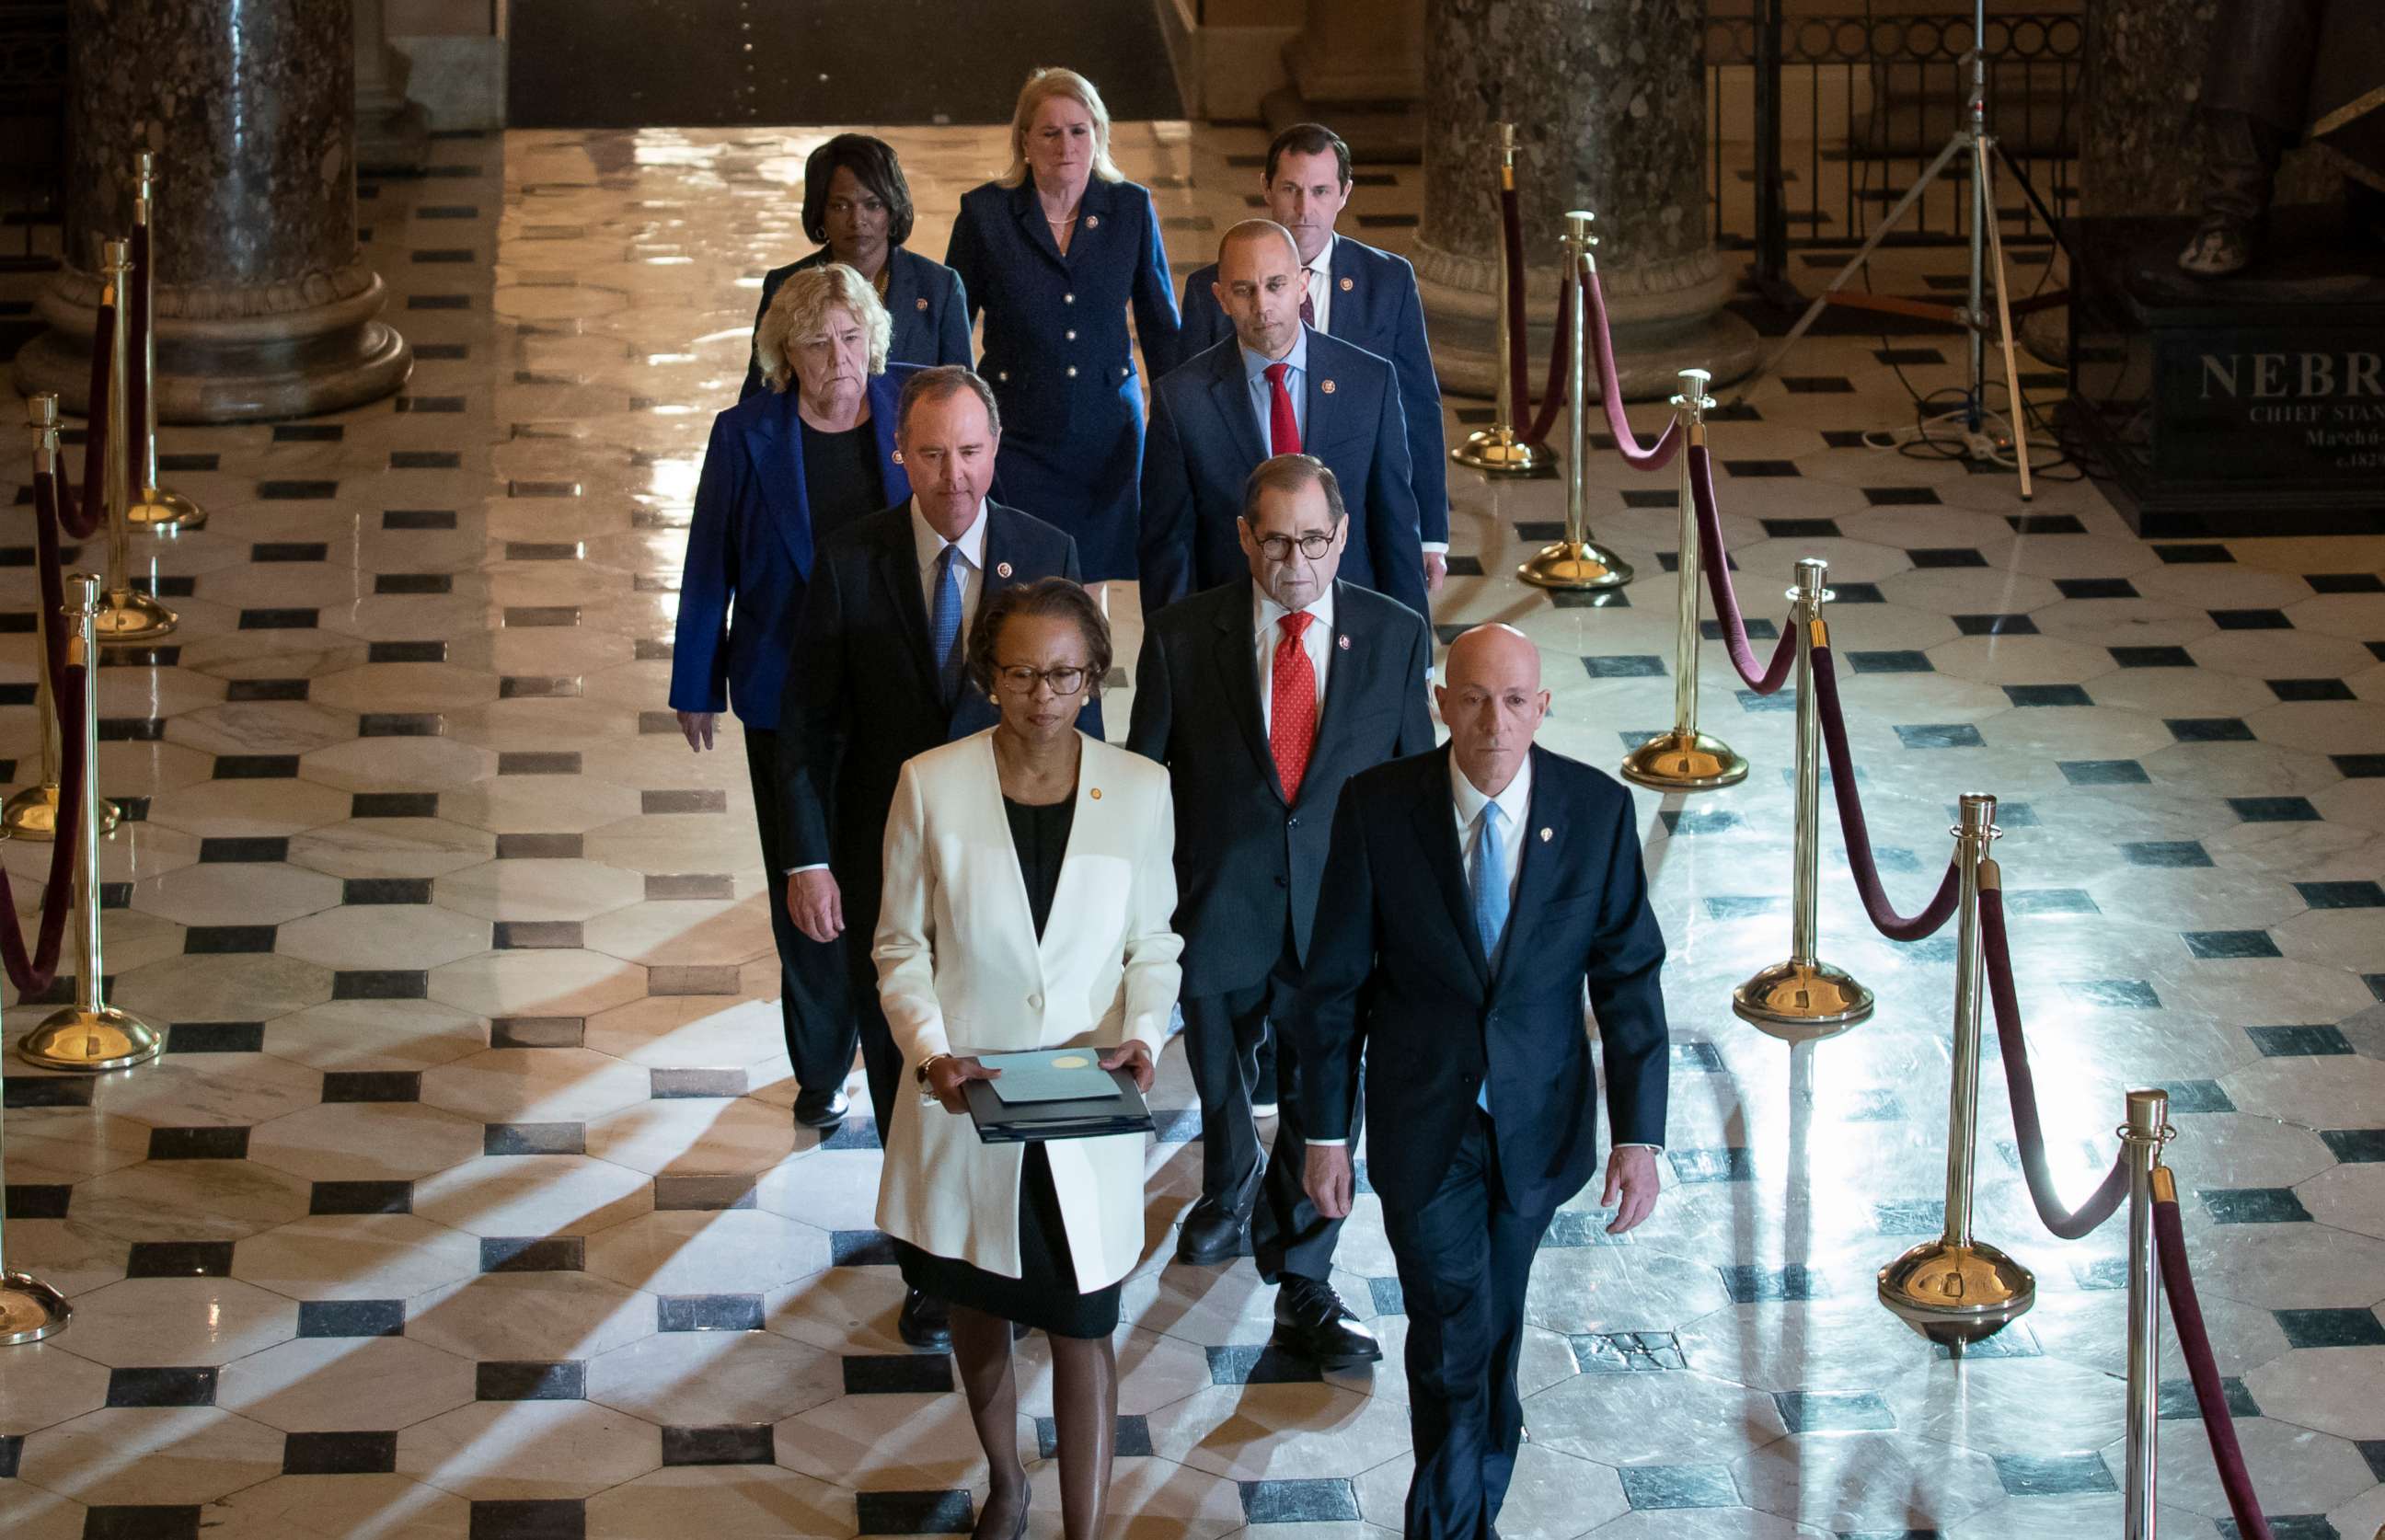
1471, 897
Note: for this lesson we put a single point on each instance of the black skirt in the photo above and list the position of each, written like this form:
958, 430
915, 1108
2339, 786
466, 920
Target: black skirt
1044, 1295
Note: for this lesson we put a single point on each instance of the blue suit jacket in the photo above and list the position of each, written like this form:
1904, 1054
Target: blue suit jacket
1396, 976
750, 549
1205, 440
1059, 357
924, 299
1376, 305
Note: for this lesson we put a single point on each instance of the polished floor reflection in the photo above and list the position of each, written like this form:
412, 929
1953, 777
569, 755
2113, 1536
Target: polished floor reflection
466, 1200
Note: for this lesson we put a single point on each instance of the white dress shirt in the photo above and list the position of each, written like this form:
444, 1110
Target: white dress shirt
1268, 631
1318, 277
1295, 384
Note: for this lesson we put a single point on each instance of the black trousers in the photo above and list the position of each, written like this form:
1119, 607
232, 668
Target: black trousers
1222, 1038
882, 1062
814, 1006
1465, 1257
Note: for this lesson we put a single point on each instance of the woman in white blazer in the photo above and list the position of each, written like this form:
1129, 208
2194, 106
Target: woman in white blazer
1029, 887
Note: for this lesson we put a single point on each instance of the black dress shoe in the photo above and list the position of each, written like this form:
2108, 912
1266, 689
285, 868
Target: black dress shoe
1211, 1235
925, 1323
822, 1109
1312, 1323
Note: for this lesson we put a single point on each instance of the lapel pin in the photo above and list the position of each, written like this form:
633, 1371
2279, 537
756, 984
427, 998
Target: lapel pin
1327, 387
1547, 835
1343, 643
1097, 793
921, 301
1093, 220
1002, 569
898, 456
1346, 286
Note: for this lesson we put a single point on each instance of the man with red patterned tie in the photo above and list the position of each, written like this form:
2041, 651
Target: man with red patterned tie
1275, 387
1262, 696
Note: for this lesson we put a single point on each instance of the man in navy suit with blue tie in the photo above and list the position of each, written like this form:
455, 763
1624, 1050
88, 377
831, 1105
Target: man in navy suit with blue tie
1354, 292
1275, 387
1471, 896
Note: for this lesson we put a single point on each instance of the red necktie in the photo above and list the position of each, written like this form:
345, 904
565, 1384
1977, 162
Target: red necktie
1291, 721
1283, 428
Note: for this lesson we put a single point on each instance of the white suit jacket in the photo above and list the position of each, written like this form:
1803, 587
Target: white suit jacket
960, 971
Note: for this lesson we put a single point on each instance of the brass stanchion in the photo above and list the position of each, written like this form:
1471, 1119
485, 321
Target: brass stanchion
1804, 997
32, 813
29, 1309
1499, 449
90, 1034
1958, 1289
153, 508
2143, 1136
1686, 759
125, 617
1577, 561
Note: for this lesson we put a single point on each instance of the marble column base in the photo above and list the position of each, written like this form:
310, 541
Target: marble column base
1666, 317
392, 136
234, 354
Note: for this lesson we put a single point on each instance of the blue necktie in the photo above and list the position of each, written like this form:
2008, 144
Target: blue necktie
1488, 883
945, 623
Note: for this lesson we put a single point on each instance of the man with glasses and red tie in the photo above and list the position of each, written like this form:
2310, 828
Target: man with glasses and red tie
1262, 696
1276, 387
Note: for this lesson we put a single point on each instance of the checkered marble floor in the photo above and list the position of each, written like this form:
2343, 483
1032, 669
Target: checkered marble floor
466, 1200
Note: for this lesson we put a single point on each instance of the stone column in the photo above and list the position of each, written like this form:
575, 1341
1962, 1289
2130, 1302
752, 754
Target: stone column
1608, 97
265, 306
392, 134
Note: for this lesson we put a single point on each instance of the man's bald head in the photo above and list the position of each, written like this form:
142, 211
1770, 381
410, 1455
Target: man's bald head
1259, 286
1493, 702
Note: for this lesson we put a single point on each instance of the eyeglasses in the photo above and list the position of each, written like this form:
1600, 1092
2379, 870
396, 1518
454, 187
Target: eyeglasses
1278, 548
1022, 680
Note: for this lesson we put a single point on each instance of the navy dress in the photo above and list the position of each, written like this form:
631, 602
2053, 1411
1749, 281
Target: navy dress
923, 299
1059, 357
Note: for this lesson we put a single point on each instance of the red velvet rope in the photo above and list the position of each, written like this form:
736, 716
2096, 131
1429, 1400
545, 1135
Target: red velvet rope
33, 975
1553, 395
2029, 1129
94, 513
1717, 564
1865, 871
2210, 1397
1655, 456
136, 379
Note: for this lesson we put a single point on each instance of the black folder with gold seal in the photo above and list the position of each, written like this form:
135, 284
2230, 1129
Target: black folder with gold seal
1055, 1094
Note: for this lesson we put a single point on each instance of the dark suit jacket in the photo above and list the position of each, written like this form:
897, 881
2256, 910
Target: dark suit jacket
1248, 864
1377, 306
1205, 440
750, 547
862, 695
1396, 974
923, 299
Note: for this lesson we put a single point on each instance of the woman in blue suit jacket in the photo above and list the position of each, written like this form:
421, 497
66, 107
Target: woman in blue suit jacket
1055, 252
857, 206
811, 454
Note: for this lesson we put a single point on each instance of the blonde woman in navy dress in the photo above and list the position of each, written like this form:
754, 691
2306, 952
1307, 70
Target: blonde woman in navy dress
1055, 254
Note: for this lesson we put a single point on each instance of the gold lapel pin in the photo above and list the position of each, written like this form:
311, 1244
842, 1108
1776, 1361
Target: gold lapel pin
1547, 835
1344, 642
1002, 569
1327, 387
898, 456
1091, 220
921, 301
1347, 285
1097, 793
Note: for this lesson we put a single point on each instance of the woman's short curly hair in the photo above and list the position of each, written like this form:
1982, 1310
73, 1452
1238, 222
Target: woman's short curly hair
800, 309
1049, 598
872, 163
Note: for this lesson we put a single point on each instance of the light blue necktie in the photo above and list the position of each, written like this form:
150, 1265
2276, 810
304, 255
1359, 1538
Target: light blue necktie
1488, 881
945, 623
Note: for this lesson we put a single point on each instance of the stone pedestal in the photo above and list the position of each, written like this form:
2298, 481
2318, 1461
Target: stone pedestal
1357, 66
265, 305
392, 133
1608, 97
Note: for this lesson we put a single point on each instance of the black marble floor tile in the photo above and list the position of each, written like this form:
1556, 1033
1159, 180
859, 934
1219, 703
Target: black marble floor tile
2251, 620
339, 1454
702, 1193
537, 1031
425, 459
695, 1084
1636, 666
534, 1138
2044, 524
528, 1518
1833, 1410
380, 984
731, 1443
361, 1198
2274, 810
1744, 469
1726, 1163
903, 1513
2310, 690
2341, 895
2344, 583
539, 847
2253, 1206
2359, 767
12, 1454
1901, 497
2165, 852
257, 767
406, 652
897, 1373
1751, 1285
1896, 660
854, 1133
297, 492
1758, 630
372, 1085
352, 1317
385, 890
46, 1090
2202, 553
2332, 1328
36, 1200
267, 689
2352, 1145
418, 518
179, 1258
861, 1248
2196, 1096
535, 935
2095, 588
698, 800
523, 1381
2178, 1400
2208, 729
2103, 772
708, 1312
539, 761
1300, 1500
278, 620
1995, 625
2050, 901
690, 885
141, 1521
1262, 1364
288, 551
533, 1254
1800, 528
213, 940
1661, 1486
2299, 1042
541, 688
2113, 994
1946, 558
393, 804
2054, 1476
692, 979
1939, 735
2151, 657
402, 584
198, 1144
161, 1387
